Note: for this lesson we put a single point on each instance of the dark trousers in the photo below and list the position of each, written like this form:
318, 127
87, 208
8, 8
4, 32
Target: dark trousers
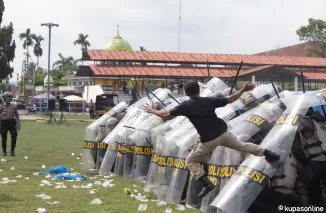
8, 126
91, 114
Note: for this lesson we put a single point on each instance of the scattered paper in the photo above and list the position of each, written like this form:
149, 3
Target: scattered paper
42, 184
73, 154
98, 183
41, 210
144, 200
48, 176
142, 207
1, 170
93, 170
140, 197
41, 195
12, 168
78, 158
80, 154
43, 166
3, 160
4, 182
161, 203
180, 207
96, 201
35, 173
5, 179
26, 178
107, 177
91, 192
19, 176
26, 157
59, 183
107, 183
61, 187
135, 190
80, 163
71, 169
75, 187
154, 200
88, 186
168, 210
136, 186
12, 181
47, 198
55, 202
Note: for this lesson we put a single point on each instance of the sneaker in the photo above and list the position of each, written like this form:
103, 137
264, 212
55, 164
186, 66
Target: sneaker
4, 154
271, 156
12, 153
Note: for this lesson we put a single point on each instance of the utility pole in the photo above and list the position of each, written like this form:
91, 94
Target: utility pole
49, 25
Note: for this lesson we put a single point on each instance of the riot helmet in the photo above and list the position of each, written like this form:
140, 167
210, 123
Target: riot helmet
7, 97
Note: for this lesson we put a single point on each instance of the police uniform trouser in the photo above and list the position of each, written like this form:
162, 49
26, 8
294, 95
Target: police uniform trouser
8, 126
203, 151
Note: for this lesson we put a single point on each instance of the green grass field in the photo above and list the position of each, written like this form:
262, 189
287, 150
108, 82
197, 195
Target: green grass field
74, 116
51, 146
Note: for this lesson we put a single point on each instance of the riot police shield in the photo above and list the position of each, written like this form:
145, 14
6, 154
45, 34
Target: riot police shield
254, 172
91, 132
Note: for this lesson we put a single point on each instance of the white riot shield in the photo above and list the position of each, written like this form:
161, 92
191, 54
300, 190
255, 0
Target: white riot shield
91, 132
112, 148
258, 120
253, 174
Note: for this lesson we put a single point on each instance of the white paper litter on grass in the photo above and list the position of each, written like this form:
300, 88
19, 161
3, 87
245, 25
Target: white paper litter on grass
80, 163
43, 166
91, 192
92, 170
41, 210
46, 182
78, 158
26, 157
19, 176
144, 200
75, 187
88, 186
61, 187
12, 181
96, 201
154, 200
73, 154
98, 183
168, 210
3, 160
135, 190
180, 207
59, 183
12, 168
26, 178
136, 186
1, 170
42, 184
5, 179
47, 198
41, 195
107, 183
48, 176
142, 207
52, 203
35, 173
161, 203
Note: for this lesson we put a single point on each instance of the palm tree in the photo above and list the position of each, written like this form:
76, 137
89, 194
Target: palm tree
83, 42
28, 41
38, 51
64, 62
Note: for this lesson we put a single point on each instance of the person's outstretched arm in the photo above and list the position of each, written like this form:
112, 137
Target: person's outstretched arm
180, 110
162, 114
246, 87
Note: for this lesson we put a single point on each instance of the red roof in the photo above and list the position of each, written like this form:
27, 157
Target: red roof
314, 75
297, 50
105, 70
256, 69
221, 59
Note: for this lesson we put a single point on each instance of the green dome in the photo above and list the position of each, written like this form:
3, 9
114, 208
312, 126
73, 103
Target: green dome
118, 44
46, 81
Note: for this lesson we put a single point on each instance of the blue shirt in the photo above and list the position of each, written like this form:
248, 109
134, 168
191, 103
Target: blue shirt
201, 113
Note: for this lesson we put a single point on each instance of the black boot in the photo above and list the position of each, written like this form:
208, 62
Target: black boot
4, 154
208, 186
271, 156
12, 153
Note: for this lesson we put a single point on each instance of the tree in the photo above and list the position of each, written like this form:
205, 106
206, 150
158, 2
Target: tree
28, 40
68, 65
7, 47
141, 48
83, 42
38, 51
315, 31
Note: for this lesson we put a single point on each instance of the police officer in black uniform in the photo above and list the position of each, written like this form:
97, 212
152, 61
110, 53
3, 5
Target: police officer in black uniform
9, 123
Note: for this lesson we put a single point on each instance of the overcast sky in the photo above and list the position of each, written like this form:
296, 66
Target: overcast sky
207, 26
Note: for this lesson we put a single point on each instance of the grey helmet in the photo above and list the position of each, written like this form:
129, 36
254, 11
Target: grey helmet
7, 96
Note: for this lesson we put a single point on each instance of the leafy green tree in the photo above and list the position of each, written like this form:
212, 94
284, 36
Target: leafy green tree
315, 31
65, 63
83, 42
7, 47
28, 40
